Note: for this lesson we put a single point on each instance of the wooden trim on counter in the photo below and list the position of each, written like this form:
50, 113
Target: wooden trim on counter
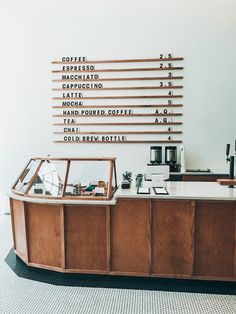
13, 223
23, 258
177, 276
193, 208
108, 239
63, 249
149, 228
132, 274
26, 231
75, 197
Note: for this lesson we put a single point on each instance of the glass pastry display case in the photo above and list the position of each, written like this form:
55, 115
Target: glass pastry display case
70, 178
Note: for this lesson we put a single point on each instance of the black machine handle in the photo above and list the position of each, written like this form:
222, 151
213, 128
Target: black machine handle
228, 148
231, 167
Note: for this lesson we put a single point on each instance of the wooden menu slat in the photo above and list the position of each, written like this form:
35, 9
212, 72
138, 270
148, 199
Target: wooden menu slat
121, 115
122, 132
119, 142
119, 88
119, 123
119, 106
160, 78
119, 97
119, 70
120, 61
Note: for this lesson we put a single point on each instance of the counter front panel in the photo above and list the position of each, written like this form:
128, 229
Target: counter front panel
179, 235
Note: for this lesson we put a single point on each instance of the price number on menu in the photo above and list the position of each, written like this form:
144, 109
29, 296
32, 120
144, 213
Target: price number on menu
169, 65
165, 111
167, 84
163, 120
167, 56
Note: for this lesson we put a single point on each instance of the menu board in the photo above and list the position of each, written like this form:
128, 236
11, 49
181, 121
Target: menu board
117, 101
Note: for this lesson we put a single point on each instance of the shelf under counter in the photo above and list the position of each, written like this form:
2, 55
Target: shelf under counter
197, 176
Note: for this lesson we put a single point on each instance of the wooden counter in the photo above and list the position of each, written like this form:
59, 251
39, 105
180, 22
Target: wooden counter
176, 237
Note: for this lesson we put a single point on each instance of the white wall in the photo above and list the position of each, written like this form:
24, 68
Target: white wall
35, 32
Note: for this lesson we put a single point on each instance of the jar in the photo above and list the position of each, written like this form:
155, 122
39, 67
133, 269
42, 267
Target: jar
139, 180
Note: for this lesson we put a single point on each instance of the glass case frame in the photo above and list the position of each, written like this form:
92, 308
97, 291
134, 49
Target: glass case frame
23, 188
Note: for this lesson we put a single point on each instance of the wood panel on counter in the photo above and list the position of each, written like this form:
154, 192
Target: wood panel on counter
215, 239
130, 237
85, 237
172, 237
44, 234
19, 228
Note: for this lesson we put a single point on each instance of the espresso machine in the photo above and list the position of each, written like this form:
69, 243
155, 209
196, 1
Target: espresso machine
155, 166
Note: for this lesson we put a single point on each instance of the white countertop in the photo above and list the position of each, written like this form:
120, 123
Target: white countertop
177, 190
185, 190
